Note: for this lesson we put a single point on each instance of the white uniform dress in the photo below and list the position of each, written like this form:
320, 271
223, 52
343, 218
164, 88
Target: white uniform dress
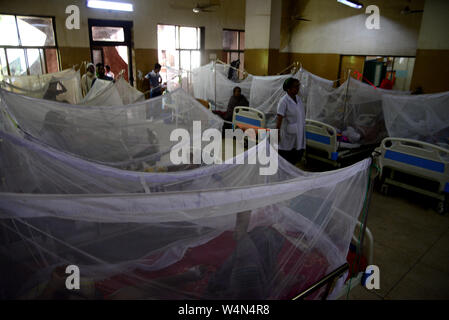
293, 126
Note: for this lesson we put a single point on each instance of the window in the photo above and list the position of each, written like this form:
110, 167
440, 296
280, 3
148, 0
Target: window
234, 47
178, 47
27, 45
114, 34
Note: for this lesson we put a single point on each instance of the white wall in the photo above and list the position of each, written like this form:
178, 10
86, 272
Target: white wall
434, 33
147, 14
336, 28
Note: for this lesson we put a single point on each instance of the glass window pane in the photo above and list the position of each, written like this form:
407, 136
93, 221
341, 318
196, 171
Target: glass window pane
97, 55
185, 60
108, 34
3, 66
34, 61
51, 57
196, 59
17, 64
41, 54
166, 37
242, 41
8, 34
188, 38
168, 58
230, 40
36, 31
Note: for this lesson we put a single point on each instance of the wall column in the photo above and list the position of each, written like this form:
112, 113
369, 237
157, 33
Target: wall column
262, 36
432, 56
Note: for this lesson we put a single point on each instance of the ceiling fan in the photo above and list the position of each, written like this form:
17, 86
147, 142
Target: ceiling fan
198, 8
204, 8
299, 18
407, 10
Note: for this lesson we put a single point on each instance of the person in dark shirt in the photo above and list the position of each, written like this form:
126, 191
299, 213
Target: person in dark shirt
101, 73
156, 87
237, 100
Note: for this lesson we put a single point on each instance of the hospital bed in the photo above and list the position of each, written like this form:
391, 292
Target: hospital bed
416, 166
311, 281
322, 144
248, 118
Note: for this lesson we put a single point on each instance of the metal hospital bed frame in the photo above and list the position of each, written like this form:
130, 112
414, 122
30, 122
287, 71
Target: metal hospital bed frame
402, 160
330, 279
248, 118
322, 145
363, 241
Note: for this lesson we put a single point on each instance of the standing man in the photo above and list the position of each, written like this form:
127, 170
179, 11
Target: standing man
101, 72
109, 73
156, 87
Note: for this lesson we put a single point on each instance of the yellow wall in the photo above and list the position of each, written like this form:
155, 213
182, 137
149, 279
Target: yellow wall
431, 71
432, 57
324, 65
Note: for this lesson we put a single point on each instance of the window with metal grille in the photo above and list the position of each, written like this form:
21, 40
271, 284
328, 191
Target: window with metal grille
27, 45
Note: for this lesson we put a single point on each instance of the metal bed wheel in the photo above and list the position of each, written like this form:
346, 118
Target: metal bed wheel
384, 189
443, 206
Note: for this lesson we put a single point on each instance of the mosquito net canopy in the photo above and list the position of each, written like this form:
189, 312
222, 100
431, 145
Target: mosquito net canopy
354, 109
421, 117
219, 231
108, 93
215, 232
64, 86
262, 92
211, 83
120, 136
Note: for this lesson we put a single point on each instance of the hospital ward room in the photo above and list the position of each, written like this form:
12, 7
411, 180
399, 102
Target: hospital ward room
209, 150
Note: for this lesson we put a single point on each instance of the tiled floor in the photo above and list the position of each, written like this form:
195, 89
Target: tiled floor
411, 249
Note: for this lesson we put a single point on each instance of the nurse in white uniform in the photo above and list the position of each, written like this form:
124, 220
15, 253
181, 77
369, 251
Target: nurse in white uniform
291, 123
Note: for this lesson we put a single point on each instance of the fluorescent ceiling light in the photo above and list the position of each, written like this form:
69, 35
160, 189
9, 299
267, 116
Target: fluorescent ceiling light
351, 3
110, 5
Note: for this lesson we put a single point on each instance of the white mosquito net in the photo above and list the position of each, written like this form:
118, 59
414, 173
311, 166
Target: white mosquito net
108, 93
199, 232
120, 136
262, 92
354, 109
215, 232
215, 87
422, 117
308, 80
179, 78
64, 86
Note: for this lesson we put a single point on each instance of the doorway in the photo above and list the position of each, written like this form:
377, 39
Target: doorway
110, 44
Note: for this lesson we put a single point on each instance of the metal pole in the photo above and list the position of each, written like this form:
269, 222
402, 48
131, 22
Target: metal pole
215, 83
340, 270
346, 99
